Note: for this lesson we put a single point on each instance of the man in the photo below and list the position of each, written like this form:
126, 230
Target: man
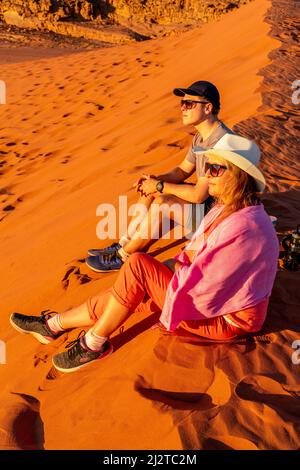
200, 105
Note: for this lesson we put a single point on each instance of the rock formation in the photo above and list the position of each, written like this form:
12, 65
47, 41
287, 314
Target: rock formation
115, 21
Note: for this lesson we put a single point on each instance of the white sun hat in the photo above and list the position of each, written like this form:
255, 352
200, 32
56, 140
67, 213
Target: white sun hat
240, 151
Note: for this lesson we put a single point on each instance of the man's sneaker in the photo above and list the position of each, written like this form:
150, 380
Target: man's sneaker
36, 326
105, 263
79, 355
105, 251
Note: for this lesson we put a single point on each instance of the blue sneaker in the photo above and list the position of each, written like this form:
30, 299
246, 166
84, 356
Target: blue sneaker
104, 251
79, 355
105, 263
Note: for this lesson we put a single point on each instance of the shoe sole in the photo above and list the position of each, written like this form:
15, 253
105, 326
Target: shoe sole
97, 270
107, 353
37, 336
100, 253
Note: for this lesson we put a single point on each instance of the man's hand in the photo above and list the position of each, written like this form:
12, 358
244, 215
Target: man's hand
147, 185
140, 181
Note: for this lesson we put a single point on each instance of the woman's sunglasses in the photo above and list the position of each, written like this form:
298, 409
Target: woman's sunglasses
189, 104
215, 169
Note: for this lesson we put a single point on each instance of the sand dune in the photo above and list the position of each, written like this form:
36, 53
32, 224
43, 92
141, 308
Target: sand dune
76, 132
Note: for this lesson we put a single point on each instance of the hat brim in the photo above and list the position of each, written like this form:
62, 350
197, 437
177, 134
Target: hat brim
242, 163
185, 91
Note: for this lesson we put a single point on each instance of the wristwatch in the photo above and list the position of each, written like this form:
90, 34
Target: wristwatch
160, 186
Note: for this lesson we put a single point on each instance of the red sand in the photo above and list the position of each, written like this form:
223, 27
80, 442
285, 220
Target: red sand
61, 157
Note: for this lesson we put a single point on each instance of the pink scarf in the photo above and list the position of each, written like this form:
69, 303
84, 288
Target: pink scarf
232, 270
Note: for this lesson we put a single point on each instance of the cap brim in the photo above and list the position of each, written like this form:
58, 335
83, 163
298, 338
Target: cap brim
242, 163
185, 91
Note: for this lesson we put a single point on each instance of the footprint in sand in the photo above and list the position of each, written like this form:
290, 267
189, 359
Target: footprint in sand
66, 160
37, 358
98, 106
170, 121
21, 427
6, 191
216, 393
284, 399
137, 168
153, 146
178, 144
174, 399
73, 272
52, 374
8, 208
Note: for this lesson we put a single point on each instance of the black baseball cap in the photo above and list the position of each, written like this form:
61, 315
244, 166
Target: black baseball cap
201, 88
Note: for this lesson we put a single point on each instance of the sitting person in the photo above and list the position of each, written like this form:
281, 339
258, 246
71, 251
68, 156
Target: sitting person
200, 105
221, 281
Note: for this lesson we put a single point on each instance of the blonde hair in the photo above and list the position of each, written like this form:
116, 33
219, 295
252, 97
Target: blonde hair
240, 191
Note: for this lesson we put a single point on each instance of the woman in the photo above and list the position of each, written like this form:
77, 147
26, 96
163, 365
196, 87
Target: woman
222, 280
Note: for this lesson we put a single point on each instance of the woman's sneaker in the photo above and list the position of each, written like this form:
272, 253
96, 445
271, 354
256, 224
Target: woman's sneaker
36, 326
104, 251
79, 355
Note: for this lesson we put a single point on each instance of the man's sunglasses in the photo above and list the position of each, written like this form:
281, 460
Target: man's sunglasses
189, 104
215, 169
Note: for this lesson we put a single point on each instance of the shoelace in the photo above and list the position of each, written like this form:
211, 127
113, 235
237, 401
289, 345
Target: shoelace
114, 246
74, 346
46, 314
110, 258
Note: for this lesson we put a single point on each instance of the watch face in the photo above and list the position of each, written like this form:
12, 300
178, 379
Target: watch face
159, 186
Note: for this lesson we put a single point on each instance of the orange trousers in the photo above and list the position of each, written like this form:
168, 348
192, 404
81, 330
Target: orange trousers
141, 287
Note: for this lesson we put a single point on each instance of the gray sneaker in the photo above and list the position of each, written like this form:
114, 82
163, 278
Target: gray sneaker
79, 355
36, 326
104, 251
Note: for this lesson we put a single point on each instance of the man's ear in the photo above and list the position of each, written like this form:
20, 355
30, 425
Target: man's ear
208, 108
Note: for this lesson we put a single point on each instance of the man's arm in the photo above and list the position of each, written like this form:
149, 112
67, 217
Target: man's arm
195, 193
178, 174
